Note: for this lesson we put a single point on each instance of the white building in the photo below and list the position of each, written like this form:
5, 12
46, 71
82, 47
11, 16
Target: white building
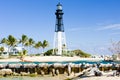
13, 51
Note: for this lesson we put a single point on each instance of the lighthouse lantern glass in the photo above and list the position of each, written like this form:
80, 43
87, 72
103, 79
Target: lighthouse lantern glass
59, 7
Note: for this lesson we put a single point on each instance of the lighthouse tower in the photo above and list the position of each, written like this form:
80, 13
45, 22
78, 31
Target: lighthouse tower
59, 46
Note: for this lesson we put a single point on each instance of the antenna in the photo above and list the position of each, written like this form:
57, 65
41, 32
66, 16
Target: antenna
59, 1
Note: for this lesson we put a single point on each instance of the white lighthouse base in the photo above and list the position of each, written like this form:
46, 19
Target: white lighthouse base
59, 45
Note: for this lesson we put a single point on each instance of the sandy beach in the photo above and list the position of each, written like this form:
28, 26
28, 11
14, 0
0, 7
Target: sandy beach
57, 58
49, 58
99, 78
105, 76
60, 77
10, 60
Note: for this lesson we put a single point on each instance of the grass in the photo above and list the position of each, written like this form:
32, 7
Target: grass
68, 79
33, 75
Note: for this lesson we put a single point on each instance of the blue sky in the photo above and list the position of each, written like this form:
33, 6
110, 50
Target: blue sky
90, 25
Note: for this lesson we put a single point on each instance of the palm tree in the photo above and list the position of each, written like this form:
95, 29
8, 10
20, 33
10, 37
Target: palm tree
44, 45
27, 44
30, 43
3, 41
11, 42
38, 45
23, 53
23, 40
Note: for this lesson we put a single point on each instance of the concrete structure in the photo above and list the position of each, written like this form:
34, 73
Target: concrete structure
59, 45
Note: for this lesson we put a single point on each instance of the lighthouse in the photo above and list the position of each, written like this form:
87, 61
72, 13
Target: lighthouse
59, 45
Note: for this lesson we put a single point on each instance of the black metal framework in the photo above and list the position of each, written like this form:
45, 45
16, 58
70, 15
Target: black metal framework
59, 27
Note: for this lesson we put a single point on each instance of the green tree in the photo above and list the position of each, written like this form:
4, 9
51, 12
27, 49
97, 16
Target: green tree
2, 49
3, 41
38, 45
11, 42
23, 40
23, 53
44, 45
30, 43
80, 53
49, 52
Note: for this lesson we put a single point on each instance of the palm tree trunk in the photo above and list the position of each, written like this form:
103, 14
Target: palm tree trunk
30, 50
9, 50
43, 50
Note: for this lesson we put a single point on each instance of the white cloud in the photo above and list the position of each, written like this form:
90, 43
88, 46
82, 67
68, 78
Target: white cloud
83, 29
111, 26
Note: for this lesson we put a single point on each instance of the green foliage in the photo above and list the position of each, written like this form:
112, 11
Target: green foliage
80, 53
49, 52
3, 41
11, 41
23, 53
2, 49
20, 54
31, 41
37, 54
76, 53
68, 53
25, 42
33, 75
38, 45
23, 39
68, 79
44, 45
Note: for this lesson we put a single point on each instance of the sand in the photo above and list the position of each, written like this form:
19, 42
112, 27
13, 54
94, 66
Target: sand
49, 59
99, 78
59, 77
46, 77
57, 58
10, 60
105, 76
